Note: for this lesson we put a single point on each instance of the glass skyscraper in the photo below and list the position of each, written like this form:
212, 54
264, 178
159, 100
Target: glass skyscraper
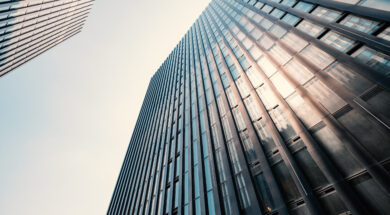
30, 27
267, 107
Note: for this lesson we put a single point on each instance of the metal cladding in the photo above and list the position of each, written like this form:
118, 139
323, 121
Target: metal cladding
267, 107
31, 27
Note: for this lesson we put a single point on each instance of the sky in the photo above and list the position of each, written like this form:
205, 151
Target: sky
66, 117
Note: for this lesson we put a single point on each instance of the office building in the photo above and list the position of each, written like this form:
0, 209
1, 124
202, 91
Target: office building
31, 27
267, 107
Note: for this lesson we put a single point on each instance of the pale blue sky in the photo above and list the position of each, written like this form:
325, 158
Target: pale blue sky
66, 117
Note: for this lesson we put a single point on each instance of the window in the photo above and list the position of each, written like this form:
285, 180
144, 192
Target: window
252, 108
317, 56
210, 203
254, 77
277, 13
294, 42
266, 42
265, 136
374, 59
288, 187
256, 33
280, 54
290, 19
376, 4
310, 28
298, 71
267, 8
239, 119
278, 31
242, 87
255, 52
303, 6
258, 5
360, 24
354, 82
267, 200
231, 97
324, 95
288, 2
266, 23
303, 111
248, 146
242, 189
337, 41
267, 97
325, 13
281, 122
266, 65
385, 34
283, 86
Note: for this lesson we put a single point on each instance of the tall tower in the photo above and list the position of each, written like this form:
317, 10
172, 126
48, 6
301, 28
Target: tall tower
267, 107
31, 27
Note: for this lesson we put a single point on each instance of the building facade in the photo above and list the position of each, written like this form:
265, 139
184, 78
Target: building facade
267, 107
30, 27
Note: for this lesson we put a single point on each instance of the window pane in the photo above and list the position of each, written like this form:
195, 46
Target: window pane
267, 97
282, 123
385, 34
317, 56
210, 202
374, 59
360, 24
265, 136
294, 42
310, 28
283, 86
252, 108
325, 13
353, 81
266, 65
288, 2
290, 19
254, 77
267, 200
278, 31
280, 54
337, 41
376, 4
303, 6
298, 71
303, 111
285, 181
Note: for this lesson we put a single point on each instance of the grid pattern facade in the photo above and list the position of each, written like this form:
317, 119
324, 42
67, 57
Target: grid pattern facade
267, 107
30, 27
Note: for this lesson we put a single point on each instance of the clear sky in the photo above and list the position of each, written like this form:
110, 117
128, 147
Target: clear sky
66, 117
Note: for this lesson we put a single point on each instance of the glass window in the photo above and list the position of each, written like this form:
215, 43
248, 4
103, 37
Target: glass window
278, 31
303, 6
258, 5
265, 136
376, 4
252, 108
374, 59
209, 184
360, 24
266, 42
281, 122
283, 86
277, 13
266, 65
240, 35
325, 13
225, 80
255, 52
298, 71
249, 26
198, 209
177, 197
226, 128
242, 87
266, 23
353, 81
239, 119
186, 187
256, 33
267, 8
310, 28
303, 111
337, 41
267, 97
385, 34
267, 200
254, 77
337, 151
294, 42
247, 43
280, 54
196, 181
242, 189
324, 95
290, 19
282, 175
231, 97
248, 146
210, 203
317, 56
288, 2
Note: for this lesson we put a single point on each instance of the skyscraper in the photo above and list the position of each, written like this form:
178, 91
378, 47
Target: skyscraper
31, 27
267, 107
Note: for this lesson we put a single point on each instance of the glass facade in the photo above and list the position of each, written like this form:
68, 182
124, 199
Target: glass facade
29, 28
266, 107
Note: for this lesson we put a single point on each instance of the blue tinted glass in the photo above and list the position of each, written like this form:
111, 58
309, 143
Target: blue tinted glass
290, 19
209, 184
196, 181
210, 201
